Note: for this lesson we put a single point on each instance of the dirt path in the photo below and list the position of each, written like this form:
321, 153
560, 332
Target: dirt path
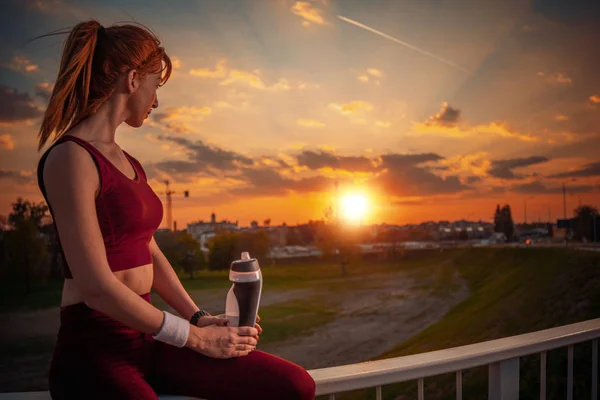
371, 322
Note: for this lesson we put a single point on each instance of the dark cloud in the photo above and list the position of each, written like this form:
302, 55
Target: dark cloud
316, 160
538, 187
399, 174
472, 179
411, 202
587, 170
503, 169
415, 181
44, 90
313, 184
447, 116
16, 177
405, 176
202, 157
15, 106
589, 148
268, 182
404, 160
570, 12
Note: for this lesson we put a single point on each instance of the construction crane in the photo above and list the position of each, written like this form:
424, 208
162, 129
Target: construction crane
169, 206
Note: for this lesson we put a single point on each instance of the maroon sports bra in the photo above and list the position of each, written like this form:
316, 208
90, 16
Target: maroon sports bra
128, 210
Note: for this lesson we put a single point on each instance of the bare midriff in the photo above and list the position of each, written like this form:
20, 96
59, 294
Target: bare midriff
138, 279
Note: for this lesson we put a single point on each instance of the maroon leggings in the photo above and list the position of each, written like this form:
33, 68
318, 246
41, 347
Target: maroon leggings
97, 357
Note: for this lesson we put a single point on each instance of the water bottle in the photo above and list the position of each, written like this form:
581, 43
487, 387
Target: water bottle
243, 298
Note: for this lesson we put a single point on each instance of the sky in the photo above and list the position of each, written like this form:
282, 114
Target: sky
429, 109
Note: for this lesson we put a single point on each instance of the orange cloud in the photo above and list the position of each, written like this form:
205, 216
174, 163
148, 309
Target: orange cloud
494, 128
561, 118
6, 142
563, 79
251, 79
352, 107
176, 62
218, 72
21, 64
375, 72
354, 110
44, 90
447, 122
254, 81
476, 164
371, 74
182, 119
223, 104
310, 14
595, 99
383, 124
447, 116
558, 78
310, 123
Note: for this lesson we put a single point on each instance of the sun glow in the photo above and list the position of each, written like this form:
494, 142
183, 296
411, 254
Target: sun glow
354, 208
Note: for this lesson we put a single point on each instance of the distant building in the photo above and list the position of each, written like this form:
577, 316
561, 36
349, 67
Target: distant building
197, 229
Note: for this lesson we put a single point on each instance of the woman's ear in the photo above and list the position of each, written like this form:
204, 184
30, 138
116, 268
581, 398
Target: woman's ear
133, 81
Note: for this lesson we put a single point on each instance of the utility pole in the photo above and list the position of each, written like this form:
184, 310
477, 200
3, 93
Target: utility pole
525, 207
169, 207
564, 201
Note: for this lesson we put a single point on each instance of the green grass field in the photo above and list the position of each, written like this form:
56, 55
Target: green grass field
514, 291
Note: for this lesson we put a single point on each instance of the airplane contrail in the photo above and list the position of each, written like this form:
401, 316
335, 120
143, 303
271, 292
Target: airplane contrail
410, 46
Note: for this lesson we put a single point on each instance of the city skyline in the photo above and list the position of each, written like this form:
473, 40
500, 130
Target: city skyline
430, 110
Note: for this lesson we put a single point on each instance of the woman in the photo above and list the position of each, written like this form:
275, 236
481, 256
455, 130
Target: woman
113, 343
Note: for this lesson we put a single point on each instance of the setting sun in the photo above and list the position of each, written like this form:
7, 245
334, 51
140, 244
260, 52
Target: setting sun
354, 207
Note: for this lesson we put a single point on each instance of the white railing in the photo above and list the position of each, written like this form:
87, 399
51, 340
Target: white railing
501, 355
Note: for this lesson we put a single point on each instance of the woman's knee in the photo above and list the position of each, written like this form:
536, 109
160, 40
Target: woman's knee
299, 385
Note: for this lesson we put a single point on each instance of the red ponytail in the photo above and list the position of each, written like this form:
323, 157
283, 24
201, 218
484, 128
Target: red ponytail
93, 57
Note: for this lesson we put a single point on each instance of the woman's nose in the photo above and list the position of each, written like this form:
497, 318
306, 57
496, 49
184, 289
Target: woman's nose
155, 103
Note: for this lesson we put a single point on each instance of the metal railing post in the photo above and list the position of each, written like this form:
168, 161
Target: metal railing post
504, 380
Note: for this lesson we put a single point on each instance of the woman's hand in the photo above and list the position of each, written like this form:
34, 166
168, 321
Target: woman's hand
221, 320
222, 342
218, 320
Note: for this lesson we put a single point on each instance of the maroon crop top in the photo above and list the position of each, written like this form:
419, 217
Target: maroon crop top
128, 210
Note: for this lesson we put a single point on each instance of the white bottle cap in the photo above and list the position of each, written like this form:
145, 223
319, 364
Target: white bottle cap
245, 255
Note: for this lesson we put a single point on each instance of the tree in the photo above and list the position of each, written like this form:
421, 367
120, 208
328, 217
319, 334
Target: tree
221, 251
267, 222
182, 250
193, 258
228, 246
498, 220
584, 223
25, 254
503, 221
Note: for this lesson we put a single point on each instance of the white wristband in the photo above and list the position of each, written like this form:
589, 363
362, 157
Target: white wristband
174, 330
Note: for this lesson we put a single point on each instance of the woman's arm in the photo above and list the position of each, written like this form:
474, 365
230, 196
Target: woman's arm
71, 181
168, 286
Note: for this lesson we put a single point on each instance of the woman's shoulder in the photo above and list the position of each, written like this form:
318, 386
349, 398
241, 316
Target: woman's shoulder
66, 163
66, 153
